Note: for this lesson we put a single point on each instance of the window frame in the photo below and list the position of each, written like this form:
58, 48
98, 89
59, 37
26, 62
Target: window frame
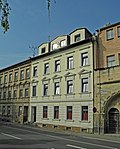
85, 85
84, 59
46, 68
35, 69
70, 87
57, 65
110, 34
84, 114
45, 112
57, 88
45, 89
70, 63
69, 113
56, 112
77, 37
34, 91
110, 63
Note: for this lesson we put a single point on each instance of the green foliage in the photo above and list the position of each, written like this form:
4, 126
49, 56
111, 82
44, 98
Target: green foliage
4, 13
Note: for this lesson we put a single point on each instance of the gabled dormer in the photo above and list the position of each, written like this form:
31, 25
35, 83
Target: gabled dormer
43, 48
59, 42
79, 35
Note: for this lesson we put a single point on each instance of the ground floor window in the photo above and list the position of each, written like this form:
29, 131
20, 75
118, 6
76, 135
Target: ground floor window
45, 111
85, 113
56, 112
69, 112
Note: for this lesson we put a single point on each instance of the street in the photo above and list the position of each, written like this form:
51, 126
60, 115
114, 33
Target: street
18, 136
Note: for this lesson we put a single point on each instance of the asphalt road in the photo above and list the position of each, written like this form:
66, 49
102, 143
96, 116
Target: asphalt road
22, 137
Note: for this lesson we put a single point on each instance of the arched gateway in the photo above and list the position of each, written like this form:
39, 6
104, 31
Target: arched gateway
112, 114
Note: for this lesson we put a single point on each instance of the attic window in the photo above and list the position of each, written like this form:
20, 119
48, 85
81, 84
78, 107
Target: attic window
43, 50
54, 46
77, 38
62, 43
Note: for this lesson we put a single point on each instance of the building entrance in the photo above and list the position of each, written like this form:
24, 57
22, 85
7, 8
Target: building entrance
113, 120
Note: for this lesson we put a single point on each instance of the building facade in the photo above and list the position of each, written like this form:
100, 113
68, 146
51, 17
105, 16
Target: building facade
107, 80
62, 83
15, 92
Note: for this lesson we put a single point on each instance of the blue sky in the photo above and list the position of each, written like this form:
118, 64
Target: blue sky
30, 25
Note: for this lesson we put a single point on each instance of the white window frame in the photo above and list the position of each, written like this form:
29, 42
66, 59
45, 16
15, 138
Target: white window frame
57, 88
63, 43
110, 60
84, 59
45, 89
84, 85
70, 87
57, 65
109, 34
70, 62
54, 46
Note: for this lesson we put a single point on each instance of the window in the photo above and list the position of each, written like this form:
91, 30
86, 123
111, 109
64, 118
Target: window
62, 43
34, 71
70, 62
5, 79
46, 68
54, 46
27, 73
20, 111
84, 59
4, 95
85, 113
26, 92
8, 110
22, 75
57, 88
118, 30
56, 112
77, 38
9, 94
21, 92
16, 76
84, 84
109, 34
0, 95
34, 91
3, 110
69, 112
45, 90
0, 80
43, 50
110, 60
10, 77
57, 65
45, 111
69, 86
15, 93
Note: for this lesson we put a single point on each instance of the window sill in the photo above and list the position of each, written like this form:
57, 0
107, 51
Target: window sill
45, 118
46, 74
70, 69
109, 39
46, 96
56, 95
84, 121
69, 94
85, 66
57, 71
69, 120
85, 93
56, 119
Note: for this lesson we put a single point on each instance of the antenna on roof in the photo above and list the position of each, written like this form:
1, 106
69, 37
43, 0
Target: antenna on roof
33, 48
49, 38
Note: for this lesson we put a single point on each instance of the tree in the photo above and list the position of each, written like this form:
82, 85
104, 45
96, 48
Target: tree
5, 11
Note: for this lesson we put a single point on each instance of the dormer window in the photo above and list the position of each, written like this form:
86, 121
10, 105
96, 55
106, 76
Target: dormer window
77, 38
54, 46
43, 50
62, 43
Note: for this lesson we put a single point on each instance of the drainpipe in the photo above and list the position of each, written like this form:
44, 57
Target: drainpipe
99, 82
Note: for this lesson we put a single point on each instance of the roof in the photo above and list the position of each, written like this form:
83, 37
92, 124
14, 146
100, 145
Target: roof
108, 26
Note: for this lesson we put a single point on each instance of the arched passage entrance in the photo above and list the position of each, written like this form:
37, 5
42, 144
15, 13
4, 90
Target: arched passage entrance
113, 120
112, 114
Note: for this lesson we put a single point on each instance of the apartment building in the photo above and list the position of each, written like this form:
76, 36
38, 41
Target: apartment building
62, 83
107, 80
15, 92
